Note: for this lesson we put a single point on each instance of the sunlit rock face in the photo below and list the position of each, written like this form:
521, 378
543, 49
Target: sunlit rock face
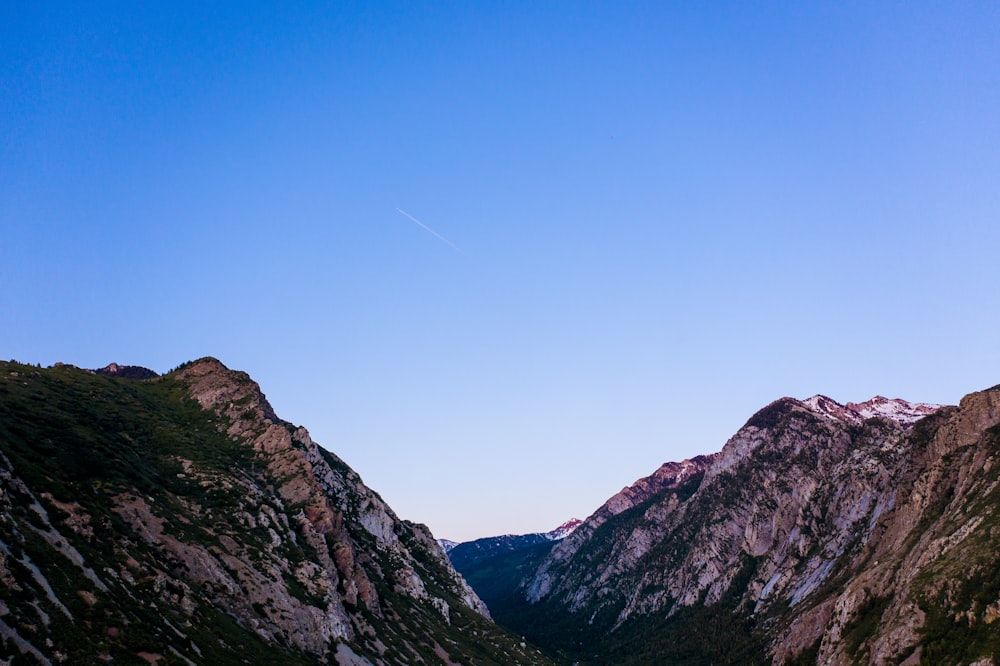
839, 533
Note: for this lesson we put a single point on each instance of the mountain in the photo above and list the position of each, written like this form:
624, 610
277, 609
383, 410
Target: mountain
820, 533
563, 530
494, 566
178, 520
512, 540
447, 544
126, 371
902, 412
470, 552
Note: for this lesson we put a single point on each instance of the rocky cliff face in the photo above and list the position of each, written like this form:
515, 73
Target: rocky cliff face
179, 520
821, 532
673, 480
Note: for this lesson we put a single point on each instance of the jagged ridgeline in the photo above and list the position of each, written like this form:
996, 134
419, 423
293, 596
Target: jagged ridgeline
178, 520
821, 533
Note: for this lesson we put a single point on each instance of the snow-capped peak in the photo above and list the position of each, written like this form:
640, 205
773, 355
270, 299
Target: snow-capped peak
563, 530
902, 412
447, 544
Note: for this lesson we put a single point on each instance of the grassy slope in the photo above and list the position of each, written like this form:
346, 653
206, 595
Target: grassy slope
81, 438
84, 440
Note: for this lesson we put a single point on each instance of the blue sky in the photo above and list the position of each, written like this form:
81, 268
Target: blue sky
659, 217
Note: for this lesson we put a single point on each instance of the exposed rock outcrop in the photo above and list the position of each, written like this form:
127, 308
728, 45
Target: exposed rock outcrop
845, 532
179, 516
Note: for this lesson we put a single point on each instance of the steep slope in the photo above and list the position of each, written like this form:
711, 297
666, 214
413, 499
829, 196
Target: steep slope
674, 482
927, 587
495, 565
178, 520
816, 533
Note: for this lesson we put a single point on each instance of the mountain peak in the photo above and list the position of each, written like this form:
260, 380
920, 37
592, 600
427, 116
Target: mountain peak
216, 386
447, 544
563, 530
894, 409
126, 371
184, 508
812, 523
557, 534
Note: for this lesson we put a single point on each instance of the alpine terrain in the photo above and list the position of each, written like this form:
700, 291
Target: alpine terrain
823, 533
178, 520
494, 566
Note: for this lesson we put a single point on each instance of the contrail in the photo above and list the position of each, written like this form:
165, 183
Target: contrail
429, 230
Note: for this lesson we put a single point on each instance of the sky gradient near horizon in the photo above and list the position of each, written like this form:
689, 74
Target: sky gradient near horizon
506, 258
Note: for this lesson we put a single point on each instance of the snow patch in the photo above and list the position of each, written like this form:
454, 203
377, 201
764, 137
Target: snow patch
563, 530
446, 544
894, 409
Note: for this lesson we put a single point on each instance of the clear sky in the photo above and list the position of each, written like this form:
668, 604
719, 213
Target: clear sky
505, 258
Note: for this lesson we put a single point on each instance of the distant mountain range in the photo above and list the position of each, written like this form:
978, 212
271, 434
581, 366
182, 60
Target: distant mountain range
490, 543
494, 566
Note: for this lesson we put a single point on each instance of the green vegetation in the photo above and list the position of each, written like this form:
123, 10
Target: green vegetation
959, 515
496, 579
864, 625
118, 465
960, 591
773, 415
956, 630
719, 633
84, 440
109, 470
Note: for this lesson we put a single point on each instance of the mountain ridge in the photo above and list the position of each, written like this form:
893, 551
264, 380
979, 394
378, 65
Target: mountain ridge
560, 532
177, 519
820, 533
901, 411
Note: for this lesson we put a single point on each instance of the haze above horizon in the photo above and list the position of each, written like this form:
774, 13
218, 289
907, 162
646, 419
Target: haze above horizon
505, 259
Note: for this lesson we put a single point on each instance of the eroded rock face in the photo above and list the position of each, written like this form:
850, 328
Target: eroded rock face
212, 531
329, 500
847, 531
669, 478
